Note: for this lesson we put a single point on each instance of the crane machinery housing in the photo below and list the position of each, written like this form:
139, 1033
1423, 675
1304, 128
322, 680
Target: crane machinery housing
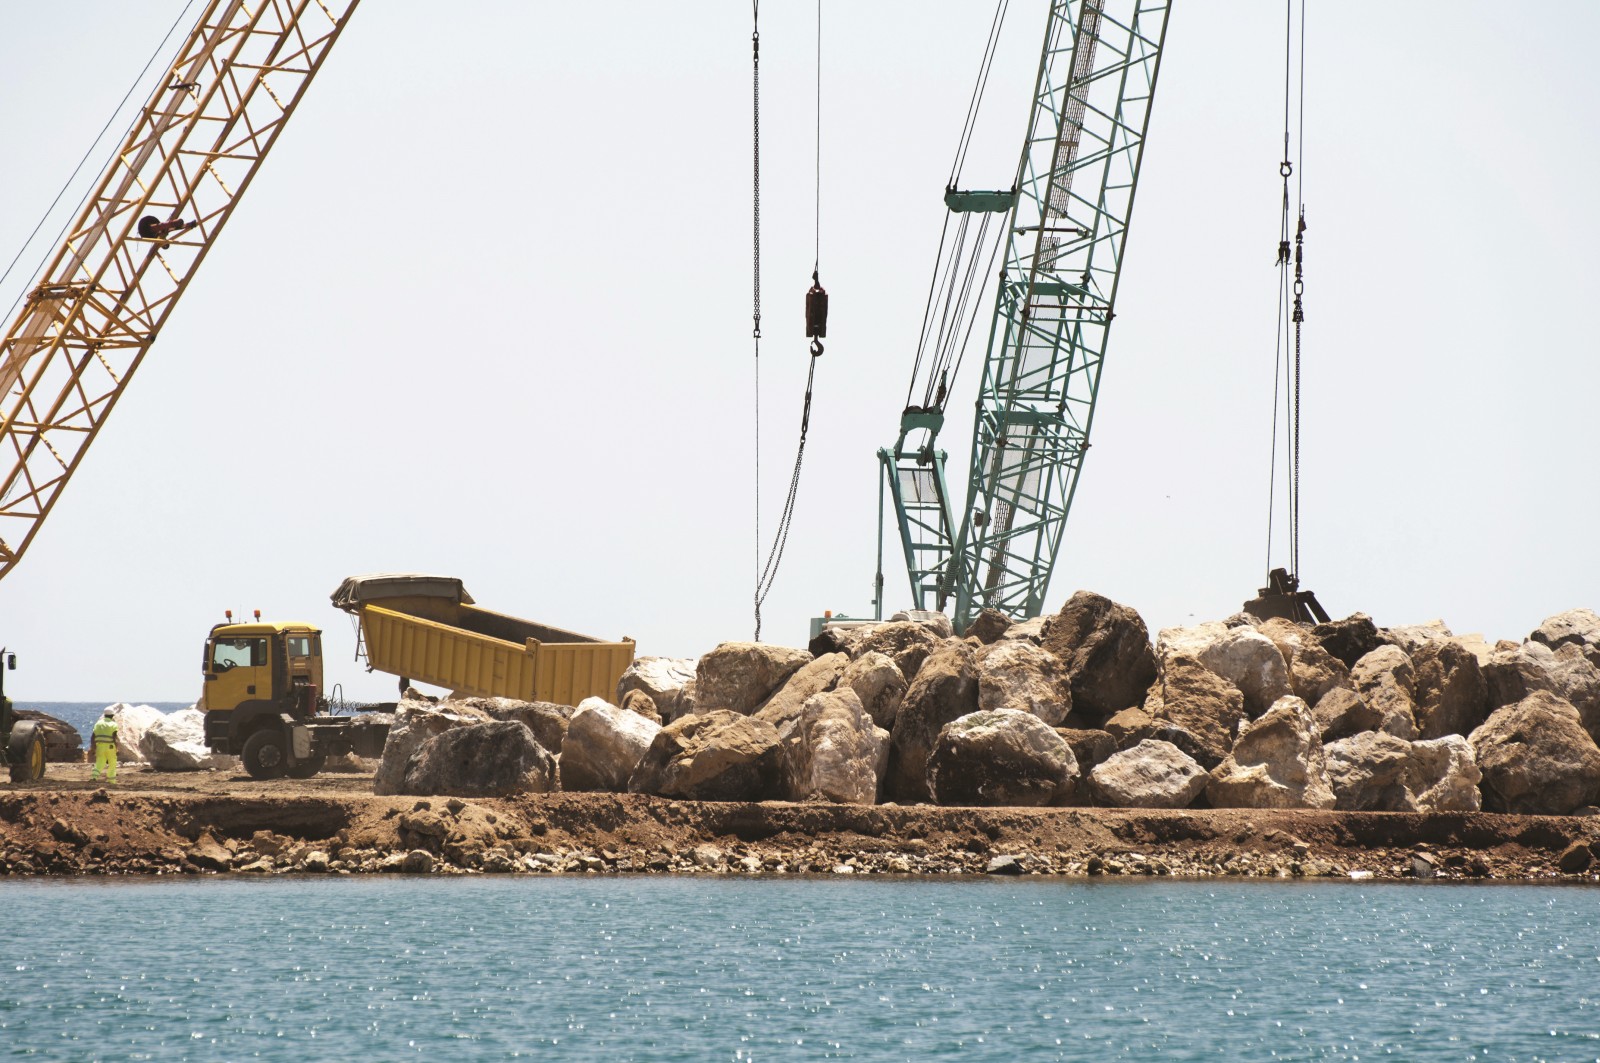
1066, 218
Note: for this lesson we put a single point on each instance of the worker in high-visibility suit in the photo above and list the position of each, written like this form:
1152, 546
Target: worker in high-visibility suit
103, 743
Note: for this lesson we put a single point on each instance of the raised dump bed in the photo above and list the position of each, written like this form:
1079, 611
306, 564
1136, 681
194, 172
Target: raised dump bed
427, 628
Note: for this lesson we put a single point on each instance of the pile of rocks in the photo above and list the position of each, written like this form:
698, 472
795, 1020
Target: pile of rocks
1076, 708
165, 741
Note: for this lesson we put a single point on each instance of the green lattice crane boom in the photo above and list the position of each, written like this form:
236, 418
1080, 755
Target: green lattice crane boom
1067, 218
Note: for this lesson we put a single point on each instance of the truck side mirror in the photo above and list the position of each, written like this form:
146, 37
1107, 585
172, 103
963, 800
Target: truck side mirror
11, 661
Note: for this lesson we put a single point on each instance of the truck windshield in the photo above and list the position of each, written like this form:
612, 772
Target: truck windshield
234, 653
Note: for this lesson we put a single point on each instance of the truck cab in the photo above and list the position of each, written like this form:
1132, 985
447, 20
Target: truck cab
260, 679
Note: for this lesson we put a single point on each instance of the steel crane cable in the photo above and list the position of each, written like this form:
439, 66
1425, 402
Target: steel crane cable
767, 573
182, 19
755, 314
1290, 305
941, 358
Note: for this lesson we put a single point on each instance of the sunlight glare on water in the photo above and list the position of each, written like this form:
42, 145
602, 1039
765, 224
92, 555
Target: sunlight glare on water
738, 969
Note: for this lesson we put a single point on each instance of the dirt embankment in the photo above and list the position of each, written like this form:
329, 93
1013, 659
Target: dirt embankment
202, 823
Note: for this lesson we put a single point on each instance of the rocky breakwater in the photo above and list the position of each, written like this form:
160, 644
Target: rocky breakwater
1078, 708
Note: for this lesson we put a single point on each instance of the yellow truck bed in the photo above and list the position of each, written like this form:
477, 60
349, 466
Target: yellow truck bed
427, 629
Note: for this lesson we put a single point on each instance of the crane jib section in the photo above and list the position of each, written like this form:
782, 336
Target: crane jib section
1054, 304
102, 299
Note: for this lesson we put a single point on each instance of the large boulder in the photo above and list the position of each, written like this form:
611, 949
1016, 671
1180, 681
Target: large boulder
739, 676
1276, 762
546, 719
1132, 725
946, 688
1000, 757
835, 751
813, 677
604, 744
1442, 776
988, 626
1367, 771
416, 720
1242, 655
713, 756
1575, 627
932, 619
1153, 774
132, 722
62, 742
904, 642
1089, 746
878, 682
1202, 703
1387, 681
1451, 696
1290, 637
1031, 630
1511, 673
1105, 648
1574, 679
1412, 637
1341, 712
663, 678
1313, 671
1536, 758
177, 742
1016, 674
494, 759
1349, 639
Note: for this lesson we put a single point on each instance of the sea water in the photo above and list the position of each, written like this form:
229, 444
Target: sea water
703, 968
83, 714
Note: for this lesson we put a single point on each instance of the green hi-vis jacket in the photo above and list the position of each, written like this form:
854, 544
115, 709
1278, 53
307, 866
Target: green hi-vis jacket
105, 732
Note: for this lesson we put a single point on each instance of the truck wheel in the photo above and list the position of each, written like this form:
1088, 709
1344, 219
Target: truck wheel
264, 754
25, 751
304, 769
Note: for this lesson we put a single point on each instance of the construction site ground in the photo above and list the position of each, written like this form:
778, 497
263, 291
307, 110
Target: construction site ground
215, 822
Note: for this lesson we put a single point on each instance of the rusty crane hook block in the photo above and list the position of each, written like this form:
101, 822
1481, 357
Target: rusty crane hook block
816, 314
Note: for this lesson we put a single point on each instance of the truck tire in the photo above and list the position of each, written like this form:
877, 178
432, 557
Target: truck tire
265, 754
25, 752
305, 769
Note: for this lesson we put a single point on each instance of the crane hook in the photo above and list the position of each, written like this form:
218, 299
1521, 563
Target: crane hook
816, 314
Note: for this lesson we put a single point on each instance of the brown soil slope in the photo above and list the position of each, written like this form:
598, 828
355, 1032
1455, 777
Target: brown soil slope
213, 822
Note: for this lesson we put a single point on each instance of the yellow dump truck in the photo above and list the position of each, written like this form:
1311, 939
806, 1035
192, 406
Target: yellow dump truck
264, 694
429, 629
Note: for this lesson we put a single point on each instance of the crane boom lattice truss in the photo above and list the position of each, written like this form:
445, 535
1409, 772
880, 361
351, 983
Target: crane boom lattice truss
1054, 304
103, 298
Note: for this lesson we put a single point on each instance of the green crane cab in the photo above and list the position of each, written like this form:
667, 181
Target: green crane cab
22, 740
262, 696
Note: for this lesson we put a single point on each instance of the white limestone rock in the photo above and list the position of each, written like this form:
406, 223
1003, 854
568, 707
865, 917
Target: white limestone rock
835, 751
417, 719
603, 746
1276, 762
878, 682
132, 723
1016, 674
1242, 655
1153, 774
177, 742
1001, 757
739, 676
665, 679
1442, 775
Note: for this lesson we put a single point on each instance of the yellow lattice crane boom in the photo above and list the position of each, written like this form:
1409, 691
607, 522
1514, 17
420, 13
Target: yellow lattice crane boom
98, 306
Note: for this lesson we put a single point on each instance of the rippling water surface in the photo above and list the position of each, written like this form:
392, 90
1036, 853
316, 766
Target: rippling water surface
736, 969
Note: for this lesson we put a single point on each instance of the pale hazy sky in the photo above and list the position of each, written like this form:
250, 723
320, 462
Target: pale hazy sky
485, 312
